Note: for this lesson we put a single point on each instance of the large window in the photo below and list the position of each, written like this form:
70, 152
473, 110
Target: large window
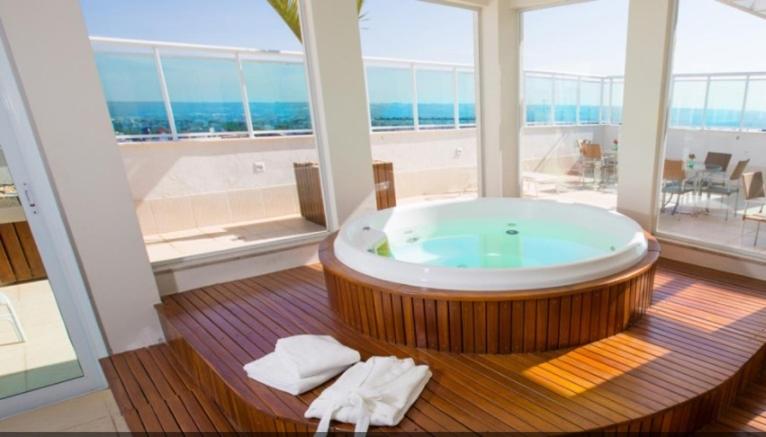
214, 125
719, 101
390, 91
204, 94
277, 95
421, 92
573, 61
133, 93
714, 155
570, 99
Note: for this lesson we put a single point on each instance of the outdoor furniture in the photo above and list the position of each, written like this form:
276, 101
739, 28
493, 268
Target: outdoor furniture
728, 187
590, 158
752, 186
716, 164
716, 159
309, 186
9, 315
609, 167
674, 182
696, 174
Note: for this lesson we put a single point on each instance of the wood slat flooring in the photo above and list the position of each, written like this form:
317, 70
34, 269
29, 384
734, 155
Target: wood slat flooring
748, 414
700, 342
154, 394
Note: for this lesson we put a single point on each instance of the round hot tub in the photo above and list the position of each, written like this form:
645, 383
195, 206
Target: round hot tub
491, 274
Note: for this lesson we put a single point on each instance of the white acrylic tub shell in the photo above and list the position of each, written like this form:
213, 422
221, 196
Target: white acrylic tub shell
361, 233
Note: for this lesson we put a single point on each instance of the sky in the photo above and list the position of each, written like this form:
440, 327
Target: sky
588, 37
390, 28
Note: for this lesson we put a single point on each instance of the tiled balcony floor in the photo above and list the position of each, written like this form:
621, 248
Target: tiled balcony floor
696, 218
693, 221
47, 356
193, 242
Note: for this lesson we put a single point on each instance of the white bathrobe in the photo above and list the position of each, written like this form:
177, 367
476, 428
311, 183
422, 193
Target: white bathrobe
302, 362
377, 392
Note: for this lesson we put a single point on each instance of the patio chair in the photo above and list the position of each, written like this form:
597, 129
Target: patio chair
752, 186
9, 315
728, 187
717, 164
590, 158
674, 183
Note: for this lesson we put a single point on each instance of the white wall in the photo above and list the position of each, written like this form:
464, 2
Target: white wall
650, 24
553, 149
50, 51
158, 170
339, 97
742, 145
499, 107
186, 184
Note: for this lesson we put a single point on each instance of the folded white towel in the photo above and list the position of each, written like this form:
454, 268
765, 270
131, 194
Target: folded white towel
309, 355
377, 392
270, 370
319, 358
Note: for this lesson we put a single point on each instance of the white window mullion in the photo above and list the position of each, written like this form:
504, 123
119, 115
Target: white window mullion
415, 115
165, 93
456, 99
245, 97
744, 104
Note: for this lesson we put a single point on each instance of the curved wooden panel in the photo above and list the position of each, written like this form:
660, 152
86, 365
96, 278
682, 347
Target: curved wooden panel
489, 322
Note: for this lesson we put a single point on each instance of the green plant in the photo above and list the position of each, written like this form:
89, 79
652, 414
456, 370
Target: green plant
288, 11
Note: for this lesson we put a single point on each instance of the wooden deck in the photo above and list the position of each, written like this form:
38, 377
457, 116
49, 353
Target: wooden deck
700, 343
748, 414
155, 395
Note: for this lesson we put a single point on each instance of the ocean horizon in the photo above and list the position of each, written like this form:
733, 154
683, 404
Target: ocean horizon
149, 118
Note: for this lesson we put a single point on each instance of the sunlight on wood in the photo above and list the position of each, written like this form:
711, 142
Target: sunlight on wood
565, 379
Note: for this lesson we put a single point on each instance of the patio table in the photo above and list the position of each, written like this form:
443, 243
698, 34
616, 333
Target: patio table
696, 174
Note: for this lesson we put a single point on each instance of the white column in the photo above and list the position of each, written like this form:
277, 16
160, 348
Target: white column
500, 102
339, 98
650, 36
58, 79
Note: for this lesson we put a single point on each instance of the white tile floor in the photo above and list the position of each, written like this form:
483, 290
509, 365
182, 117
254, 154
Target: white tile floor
572, 191
47, 356
94, 412
711, 226
696, 218
182, 244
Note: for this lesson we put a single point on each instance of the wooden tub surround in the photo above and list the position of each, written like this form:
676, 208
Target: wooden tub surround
690, 360
489, 322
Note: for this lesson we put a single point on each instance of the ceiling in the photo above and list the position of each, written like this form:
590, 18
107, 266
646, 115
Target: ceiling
755, 7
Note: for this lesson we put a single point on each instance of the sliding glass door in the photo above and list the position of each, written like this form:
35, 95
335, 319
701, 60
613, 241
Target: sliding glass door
712, 191
49, 338
574, 61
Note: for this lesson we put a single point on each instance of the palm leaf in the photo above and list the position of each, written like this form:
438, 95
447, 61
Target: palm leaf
288, 11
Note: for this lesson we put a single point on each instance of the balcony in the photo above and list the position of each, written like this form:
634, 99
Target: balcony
212, 170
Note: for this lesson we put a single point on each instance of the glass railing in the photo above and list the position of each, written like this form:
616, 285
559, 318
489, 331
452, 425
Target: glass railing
554, 98
724, 101
158, 90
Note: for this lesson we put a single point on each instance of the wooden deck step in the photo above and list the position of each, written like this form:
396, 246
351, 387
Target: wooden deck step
747, 414
154, 394
699, 344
